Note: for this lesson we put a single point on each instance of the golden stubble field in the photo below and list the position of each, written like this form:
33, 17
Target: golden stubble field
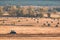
29, 38
29, 26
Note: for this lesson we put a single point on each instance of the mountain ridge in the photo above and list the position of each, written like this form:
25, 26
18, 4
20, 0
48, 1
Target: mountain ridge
29, 0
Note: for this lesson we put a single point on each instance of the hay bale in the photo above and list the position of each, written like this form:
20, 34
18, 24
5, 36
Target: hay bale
56, 26
37, 21
48, 24
51, 21
18, 20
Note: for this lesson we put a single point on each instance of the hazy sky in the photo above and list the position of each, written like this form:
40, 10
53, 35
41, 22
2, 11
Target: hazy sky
29, 0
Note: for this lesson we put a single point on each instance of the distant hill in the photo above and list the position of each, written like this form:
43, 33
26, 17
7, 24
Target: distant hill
29, 0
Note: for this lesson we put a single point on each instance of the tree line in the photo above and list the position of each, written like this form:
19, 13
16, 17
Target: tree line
27, 11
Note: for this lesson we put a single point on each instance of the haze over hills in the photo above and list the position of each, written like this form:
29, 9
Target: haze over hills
29, 0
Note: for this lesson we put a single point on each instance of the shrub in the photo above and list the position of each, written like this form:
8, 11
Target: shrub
12, 32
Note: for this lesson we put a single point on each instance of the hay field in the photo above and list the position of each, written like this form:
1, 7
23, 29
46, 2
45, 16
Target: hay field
29, 38
25, 25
